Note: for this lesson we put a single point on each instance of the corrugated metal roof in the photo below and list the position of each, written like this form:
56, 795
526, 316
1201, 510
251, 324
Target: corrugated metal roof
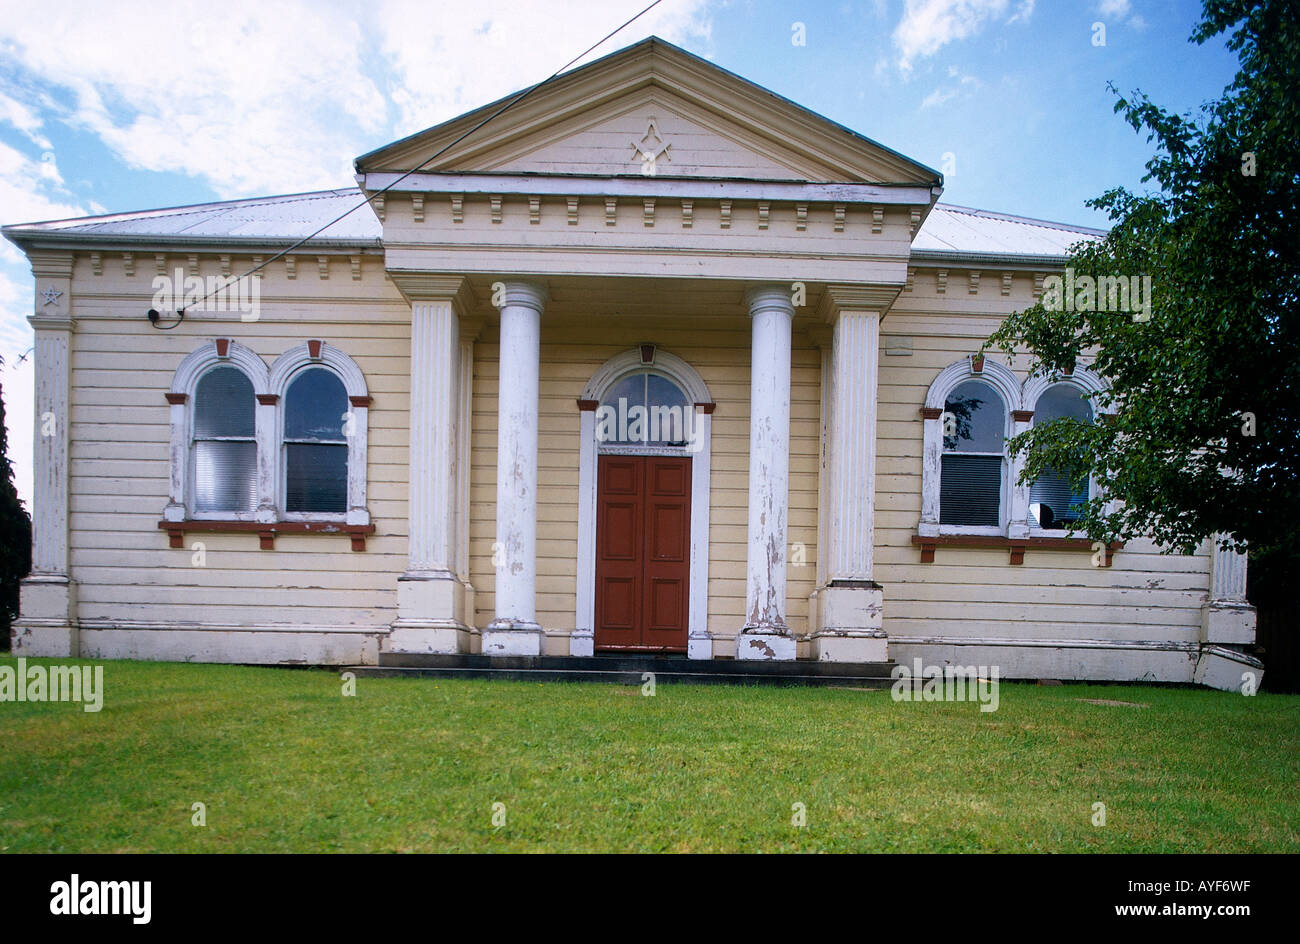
955, 229
274, 219
948, 230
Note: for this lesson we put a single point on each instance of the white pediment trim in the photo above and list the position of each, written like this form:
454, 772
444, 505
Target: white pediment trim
768, 124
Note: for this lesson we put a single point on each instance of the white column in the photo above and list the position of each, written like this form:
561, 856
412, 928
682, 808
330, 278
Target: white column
765, 634
464, 454
515, 631
583, 640
850, 605
1226, 618
430, 602
47, 622
852, 445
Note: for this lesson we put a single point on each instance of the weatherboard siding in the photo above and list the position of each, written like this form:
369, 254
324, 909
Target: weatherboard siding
127, 576
974, 593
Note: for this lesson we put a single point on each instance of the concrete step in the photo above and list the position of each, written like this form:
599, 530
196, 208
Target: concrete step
629, 670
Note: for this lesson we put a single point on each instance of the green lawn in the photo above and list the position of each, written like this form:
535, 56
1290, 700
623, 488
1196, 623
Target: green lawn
284, 763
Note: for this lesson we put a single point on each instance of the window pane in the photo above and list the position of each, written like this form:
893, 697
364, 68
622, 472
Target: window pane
223, 404
1062, 400
316, 477
632, 388
669, 411
1052, 501
980, 418
314, 406
970, 490
225, 476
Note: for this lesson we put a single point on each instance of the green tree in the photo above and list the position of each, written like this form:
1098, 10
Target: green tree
1205, 392
15, 534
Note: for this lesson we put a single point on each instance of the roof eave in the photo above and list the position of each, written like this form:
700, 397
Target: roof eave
1046, 260
45, 239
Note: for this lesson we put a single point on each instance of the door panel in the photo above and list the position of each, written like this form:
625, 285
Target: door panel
643, 527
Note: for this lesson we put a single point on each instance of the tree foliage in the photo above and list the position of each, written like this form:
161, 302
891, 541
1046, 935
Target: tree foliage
1204, 395
15, 535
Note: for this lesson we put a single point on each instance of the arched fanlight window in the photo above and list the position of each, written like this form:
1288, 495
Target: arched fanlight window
224, 447
316, 415
644, 408
973, 462
1053, 503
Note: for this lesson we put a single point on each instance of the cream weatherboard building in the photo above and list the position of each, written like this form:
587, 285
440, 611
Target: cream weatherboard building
654, 361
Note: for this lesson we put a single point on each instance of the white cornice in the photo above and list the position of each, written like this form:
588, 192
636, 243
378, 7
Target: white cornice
638, 186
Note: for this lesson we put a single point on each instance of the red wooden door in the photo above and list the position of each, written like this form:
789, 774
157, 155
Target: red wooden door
643, 556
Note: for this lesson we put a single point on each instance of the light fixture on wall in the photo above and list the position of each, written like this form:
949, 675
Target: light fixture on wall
155, 316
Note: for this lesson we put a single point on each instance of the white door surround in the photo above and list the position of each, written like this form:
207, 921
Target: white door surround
699, 643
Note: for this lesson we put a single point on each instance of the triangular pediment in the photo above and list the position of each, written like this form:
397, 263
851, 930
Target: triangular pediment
652, 108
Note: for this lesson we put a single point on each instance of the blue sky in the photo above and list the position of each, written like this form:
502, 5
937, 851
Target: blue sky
117, 107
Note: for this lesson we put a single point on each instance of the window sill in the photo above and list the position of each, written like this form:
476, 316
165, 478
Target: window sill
266, 531
1016, 546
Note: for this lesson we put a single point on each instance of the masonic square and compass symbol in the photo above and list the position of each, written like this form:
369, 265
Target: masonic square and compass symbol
650, 149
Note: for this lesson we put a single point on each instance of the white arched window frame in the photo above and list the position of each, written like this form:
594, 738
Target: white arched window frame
222, 352
1087, 383
1002, 380
646, 358
356, 427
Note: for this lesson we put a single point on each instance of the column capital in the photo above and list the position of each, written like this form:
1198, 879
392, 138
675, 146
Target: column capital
525, 294
46, 323
768, 297
837, 299
434, 287
50, 263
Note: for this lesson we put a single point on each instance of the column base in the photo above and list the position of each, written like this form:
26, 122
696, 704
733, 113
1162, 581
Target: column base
1228, 670
430, 614
763, 643
509, 637
1228, 623
412, 635
849, 619
849, 646
699, 647
582, 643
47, 621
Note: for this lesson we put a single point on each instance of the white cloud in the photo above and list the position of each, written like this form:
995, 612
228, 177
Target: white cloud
445, 59
269, 96
963, 83
1121, 10
23, 117
938, 97
929, 25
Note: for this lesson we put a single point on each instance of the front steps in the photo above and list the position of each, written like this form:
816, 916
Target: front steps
628, 669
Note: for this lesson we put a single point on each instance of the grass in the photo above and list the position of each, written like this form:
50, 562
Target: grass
284, 763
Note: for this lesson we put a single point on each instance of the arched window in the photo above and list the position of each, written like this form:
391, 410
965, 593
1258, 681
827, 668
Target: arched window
250, 444
316, 424
966, 476
644, 408
974, 453
1053, 503
224, 445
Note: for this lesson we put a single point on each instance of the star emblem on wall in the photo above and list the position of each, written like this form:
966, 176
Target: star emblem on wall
51, 295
